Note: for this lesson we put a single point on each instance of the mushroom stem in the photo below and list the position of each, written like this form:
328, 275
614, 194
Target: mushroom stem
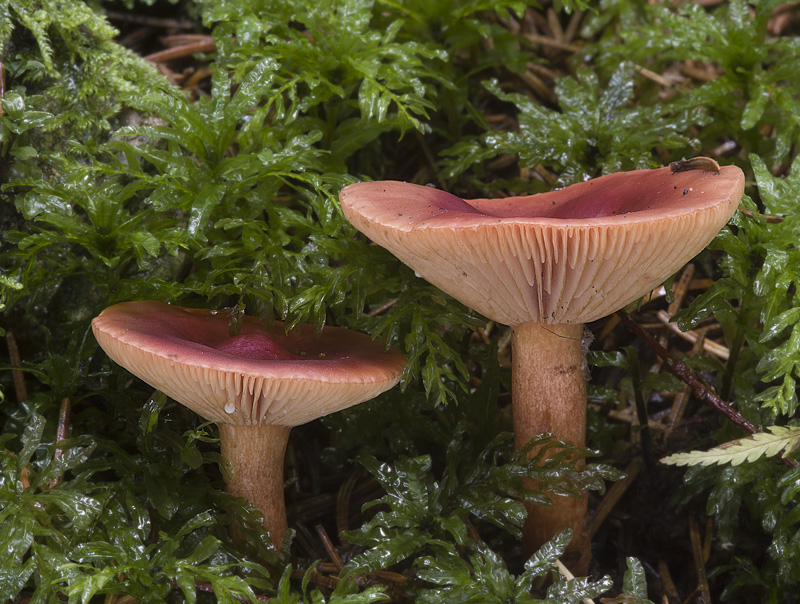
549, 395
255, 456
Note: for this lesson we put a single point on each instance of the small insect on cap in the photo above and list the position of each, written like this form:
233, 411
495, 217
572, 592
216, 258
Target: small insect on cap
571, 256
257, 377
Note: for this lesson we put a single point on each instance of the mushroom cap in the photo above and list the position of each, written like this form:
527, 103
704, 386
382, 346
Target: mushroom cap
257, 377
570, 256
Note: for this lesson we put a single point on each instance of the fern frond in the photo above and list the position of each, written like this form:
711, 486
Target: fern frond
736, 452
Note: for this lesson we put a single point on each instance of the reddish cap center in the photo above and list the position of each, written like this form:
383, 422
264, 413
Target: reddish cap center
256, 346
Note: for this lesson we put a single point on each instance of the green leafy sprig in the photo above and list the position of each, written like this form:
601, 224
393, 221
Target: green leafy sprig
762, 444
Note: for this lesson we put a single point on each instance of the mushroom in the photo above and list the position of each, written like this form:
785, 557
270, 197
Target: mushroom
256, 385
546, 264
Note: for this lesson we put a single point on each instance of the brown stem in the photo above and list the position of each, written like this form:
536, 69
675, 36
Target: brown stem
255, 455
549, 395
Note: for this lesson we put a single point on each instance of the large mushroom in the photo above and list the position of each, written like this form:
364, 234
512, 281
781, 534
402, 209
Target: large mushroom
256, 385
547, 264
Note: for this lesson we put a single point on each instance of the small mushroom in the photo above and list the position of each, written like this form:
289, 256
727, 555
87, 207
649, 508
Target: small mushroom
256, 385
547, 264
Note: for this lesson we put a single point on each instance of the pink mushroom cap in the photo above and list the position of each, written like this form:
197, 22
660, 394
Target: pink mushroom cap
570, 256
257, 377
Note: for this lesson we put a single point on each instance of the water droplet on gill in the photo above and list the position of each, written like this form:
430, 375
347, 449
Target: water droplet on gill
230, 408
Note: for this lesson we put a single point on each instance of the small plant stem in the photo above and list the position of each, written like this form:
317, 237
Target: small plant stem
2, 84
255, 455
730, 368
699, 561
62, 433
16, 374
641, 404
343, 502
549, 395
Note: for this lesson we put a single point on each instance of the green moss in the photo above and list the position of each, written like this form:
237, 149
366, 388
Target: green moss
117, 186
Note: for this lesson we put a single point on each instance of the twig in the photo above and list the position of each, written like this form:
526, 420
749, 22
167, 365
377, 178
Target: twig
767, 219
569, 576
502, 162
343, 502
552, 42
702, 71
546, 175
544, 72
198, 76
326, 542
781, 19
656, 77
667, 581
62, 433
175, 78
179, 40
538, 86
2, 84
680, 288
710, 347
679, 404
484, 332
572, 26
382, 308
181, 52
709, 538
554, 25
704, 391
16, 374
692, 595
699, 563
724, 148
428, 154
